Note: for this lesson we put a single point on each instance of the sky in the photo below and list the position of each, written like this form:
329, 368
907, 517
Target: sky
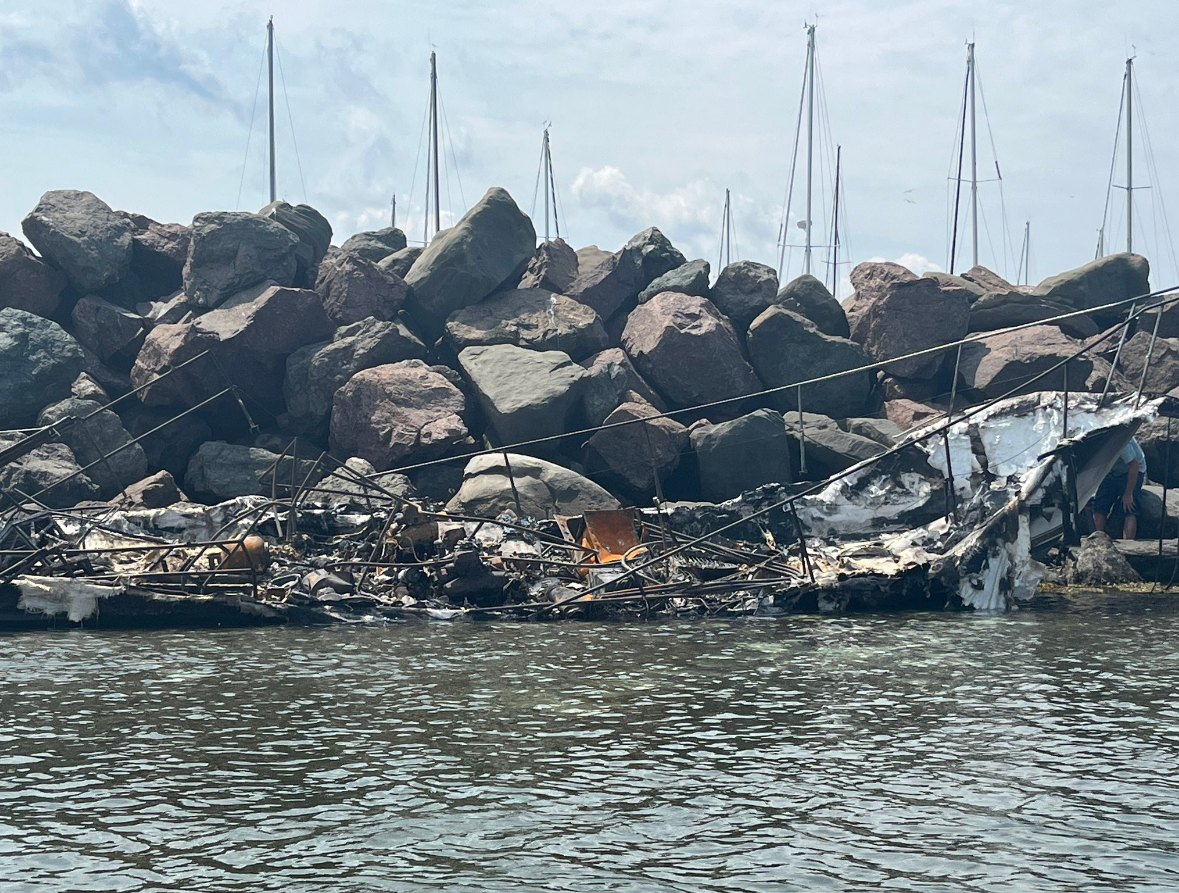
655, 109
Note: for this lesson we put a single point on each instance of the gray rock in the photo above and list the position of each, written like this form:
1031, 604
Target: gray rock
39, 362
78, 233
1115, 277
155, 492
743, 290
99, 443
353, 289
378, 244
923, 390
249, 339
894, 313
400, 262
86, 388
1002, 309
1099, 563
614, 285
219, 471
398, 414
231, 251
787, 348
1161, 450
174, 439
973, 290
688, 350
808, 297
741, 454
829, 449
104, 327
553, 267
158, 253
26, 281
314, 373
50, 465
884, 432
1162, 375
528, 317
170, 311
688, 279
466, 263
343, 488
632, 457
589, 257
310, 228
546, 489
1011, 361
610, 377
987, 280
525, 394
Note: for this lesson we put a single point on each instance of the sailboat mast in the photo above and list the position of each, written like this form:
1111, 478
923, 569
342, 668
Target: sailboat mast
270, 100
393, 212
1129, 155
973, 158
835, 231
434, 137
810, 140
548, 175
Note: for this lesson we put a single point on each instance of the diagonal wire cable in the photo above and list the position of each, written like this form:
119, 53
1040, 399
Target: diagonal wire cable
290, 118
250, 133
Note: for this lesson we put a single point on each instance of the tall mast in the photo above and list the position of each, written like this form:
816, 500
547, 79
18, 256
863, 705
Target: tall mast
810, 139
1129, 155
393, 212
835, 232
270, 95
973, 158
548, 176
1026, 252
434, 136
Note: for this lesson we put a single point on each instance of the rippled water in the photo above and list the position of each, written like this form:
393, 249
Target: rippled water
915, 752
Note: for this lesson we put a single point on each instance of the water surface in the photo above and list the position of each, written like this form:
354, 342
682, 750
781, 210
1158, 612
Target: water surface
1034, 751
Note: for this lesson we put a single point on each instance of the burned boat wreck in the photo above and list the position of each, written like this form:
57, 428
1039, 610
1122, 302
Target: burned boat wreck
953, 517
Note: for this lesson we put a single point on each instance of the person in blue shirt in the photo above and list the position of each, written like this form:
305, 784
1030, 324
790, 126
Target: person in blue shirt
1122, 486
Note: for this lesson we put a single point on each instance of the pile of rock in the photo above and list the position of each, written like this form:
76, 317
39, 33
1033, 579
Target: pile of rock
258, 330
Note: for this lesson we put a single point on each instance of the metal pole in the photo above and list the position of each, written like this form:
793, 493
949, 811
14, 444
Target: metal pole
547, 177
728, 229
801, 437
835, 232
434, 132
270, 102
393, 214
810, 140
1129, 155
973, 158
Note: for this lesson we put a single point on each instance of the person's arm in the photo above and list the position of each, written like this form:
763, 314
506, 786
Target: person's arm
1131, 483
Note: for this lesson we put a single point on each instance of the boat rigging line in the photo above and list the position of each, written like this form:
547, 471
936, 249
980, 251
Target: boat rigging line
727, 236
544, 172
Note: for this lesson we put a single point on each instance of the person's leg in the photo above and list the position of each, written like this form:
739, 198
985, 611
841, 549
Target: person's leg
1099, 522
1130, 527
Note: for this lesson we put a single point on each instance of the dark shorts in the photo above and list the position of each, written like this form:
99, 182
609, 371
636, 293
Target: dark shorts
1109, 494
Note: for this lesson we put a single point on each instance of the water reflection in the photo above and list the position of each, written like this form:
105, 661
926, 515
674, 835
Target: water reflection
920, 752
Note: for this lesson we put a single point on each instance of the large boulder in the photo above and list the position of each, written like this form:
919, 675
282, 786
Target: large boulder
1098, 562
353, 289
546, 489
589, 257
376, 245
248, 338
632, 457
741, 454
807, 296
219, 471
103, 327
400, 262
688, 350
688, 279
525, 394
315, 372
232, 251
39, 362
1115, 277
829, 448
51, 468
1011, 361
100, 442
553, 267
26, 281
156, 491
894, 313
78, 233
610, 378
398, 414
983, 279
310, 228
973, 290
158, 254
786, 348
1002, 309
466, 263
743, 290
1162, 374
529, 317
168, 441
614, 285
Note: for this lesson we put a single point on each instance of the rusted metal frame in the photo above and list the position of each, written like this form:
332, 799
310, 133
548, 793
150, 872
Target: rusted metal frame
1158, 315
803, 552
801, 437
